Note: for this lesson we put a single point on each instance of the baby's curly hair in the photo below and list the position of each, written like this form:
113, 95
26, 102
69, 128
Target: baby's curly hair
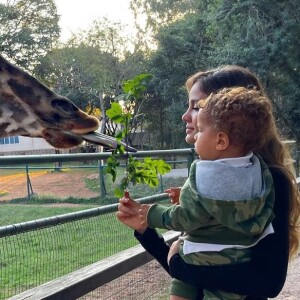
245, 115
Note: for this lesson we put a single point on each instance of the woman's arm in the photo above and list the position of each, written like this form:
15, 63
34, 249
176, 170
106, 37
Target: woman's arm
155, 245
254, 278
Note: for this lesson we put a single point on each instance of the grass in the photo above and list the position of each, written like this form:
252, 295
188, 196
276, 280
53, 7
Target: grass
17, 213
20, 210
28, 259
35, 257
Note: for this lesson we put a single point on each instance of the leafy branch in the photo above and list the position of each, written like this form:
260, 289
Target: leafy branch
137, 171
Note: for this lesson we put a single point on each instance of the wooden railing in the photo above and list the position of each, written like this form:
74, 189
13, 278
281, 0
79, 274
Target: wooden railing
87, 279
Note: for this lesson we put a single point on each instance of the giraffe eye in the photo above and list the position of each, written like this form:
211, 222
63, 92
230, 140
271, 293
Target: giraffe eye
64, 105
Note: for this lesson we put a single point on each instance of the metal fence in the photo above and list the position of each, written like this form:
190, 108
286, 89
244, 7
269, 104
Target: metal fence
69, 175
38, 251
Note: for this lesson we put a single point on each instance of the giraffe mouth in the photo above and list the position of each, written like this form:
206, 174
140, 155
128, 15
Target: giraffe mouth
65, 139
105, 140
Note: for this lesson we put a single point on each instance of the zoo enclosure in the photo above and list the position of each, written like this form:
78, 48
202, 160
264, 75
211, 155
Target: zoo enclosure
24, 244
61, 245
65, 243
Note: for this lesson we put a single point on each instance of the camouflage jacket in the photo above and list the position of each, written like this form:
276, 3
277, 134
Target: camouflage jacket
217, 221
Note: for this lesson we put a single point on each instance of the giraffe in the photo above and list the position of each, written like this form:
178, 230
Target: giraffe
29, 108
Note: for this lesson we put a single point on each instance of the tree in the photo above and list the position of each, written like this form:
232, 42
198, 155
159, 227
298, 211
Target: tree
80, 73
157, 15
264, 38
91, 67
181, 51
28, 29
251, 33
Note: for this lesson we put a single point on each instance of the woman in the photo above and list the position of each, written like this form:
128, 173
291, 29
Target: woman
265, 274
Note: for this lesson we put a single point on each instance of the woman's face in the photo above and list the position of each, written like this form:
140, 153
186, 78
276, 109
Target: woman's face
190, 116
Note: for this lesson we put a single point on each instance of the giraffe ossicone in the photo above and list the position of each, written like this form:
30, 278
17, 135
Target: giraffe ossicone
29, 108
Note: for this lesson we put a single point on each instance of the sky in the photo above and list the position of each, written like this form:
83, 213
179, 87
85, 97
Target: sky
79, 14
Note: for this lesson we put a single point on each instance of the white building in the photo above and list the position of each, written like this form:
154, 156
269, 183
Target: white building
24, 145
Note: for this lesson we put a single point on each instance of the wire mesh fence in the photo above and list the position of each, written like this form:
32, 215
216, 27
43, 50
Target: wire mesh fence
80, 176
38, 251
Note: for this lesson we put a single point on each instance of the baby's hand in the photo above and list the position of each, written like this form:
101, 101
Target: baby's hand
128, 206
174, 193
143, 211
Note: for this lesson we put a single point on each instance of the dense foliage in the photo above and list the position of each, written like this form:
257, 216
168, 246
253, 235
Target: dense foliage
178, 39
28, 29
258, 34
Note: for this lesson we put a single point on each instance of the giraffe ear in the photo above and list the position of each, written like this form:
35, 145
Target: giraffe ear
61, 139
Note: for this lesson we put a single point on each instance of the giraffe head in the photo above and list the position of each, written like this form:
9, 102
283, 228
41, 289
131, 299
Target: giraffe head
29, 108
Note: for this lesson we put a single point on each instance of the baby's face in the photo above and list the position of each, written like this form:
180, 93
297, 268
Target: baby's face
206, 138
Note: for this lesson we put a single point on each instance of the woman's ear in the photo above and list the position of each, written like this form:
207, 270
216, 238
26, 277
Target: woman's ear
222, 141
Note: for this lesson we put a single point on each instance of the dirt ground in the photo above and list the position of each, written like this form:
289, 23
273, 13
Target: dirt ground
291, 289
59, 184
144, 283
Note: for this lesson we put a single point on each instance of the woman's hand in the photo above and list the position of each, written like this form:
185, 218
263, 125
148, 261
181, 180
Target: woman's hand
174, 193
128, 214
143, 211
174, 248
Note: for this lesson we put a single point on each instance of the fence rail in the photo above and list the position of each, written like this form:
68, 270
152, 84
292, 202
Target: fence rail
39, 251
18, 228
48, 158
45, 178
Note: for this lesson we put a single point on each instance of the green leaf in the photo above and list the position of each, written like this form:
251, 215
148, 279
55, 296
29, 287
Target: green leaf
137, 85
115, 113
118, 192
139, 171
